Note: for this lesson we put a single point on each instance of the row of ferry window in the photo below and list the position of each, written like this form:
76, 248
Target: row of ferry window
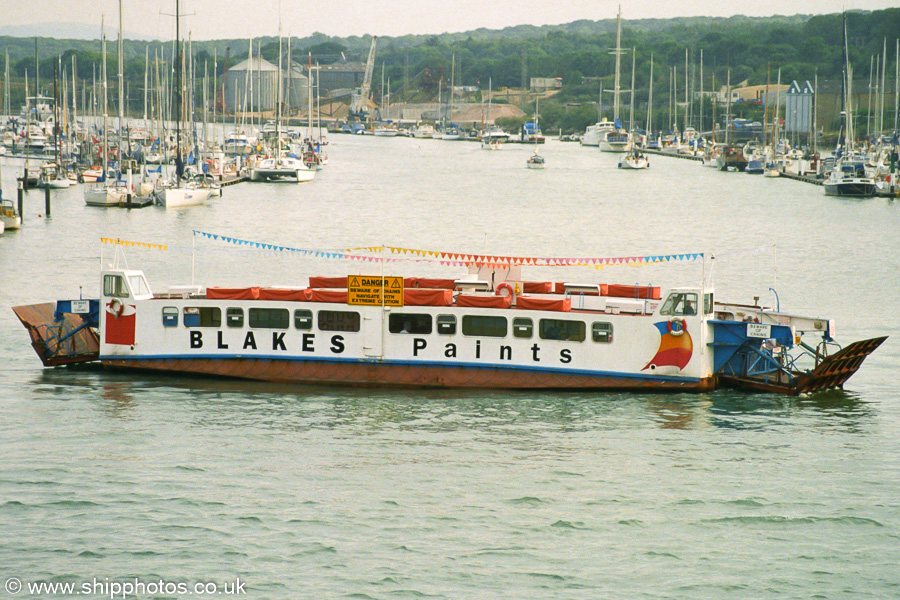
400, 323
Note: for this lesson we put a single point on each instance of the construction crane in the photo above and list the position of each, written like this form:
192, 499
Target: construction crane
358, 106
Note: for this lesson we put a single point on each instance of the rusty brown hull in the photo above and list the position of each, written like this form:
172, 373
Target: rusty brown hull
393, 375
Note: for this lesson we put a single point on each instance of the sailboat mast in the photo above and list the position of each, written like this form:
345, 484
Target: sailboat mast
618, 53
650, 101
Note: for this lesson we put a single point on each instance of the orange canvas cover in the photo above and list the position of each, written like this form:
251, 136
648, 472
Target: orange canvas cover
283, 294
484, 301
339, 296
634, 291
537, 287
432, 284
426, 297
328, 282
220, 293
559, 304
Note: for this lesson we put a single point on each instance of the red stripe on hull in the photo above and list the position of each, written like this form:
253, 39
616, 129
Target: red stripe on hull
386, 375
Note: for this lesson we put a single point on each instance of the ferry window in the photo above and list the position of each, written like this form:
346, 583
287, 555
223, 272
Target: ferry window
446, 324
170, 316
234, 317
303, 319
523, 327
409, 323
139, 285
114, 285
680, 304
557, 329
202, 316
708, 304
602, 332
269, 318
484, 325
338, 320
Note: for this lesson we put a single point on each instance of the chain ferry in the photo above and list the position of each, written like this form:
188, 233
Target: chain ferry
490, 328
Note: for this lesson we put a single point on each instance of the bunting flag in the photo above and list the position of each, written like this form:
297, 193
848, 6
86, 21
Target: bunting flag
376, 254
129, 244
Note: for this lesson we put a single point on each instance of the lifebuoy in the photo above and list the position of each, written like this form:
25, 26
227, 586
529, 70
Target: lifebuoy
116, 307
504, 286
681, 323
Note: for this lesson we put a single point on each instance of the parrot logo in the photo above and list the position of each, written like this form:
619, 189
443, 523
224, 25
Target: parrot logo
675, 347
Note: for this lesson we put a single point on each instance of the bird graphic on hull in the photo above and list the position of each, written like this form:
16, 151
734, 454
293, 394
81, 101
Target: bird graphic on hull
675, 348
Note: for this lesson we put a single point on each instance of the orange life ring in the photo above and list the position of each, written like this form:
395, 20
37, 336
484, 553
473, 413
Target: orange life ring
681, 323
504, 286
116, 307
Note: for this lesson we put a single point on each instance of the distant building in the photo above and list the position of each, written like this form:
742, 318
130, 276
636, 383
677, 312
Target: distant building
343, 75
545, 84
799, 101
252, 85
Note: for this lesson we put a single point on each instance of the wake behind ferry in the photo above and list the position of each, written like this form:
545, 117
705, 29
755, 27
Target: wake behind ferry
488, 328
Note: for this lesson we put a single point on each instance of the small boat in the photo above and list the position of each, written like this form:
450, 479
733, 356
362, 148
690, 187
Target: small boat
849, 178
385, 130
53, 177
754, 167
635, 159
489, 329
535, 161
9, 218
282, 168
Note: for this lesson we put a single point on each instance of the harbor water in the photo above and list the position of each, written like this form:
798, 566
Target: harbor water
274, 492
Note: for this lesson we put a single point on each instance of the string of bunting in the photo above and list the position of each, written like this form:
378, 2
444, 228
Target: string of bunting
455, 258
130, 244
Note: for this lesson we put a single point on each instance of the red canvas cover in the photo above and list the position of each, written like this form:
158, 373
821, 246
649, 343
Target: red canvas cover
426, 297
283, 294
633, 291
484, 301
432, 284
339, 296
328, 282
220, 293
537, 287
559, 304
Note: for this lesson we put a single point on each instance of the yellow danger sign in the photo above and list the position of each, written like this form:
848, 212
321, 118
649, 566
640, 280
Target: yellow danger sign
375, 290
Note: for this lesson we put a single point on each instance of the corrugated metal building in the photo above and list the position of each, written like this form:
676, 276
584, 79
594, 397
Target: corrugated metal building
798, 114
253, 86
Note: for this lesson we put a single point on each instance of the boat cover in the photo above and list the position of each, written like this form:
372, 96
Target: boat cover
424, 282
285, 294
328, 282
529, 303
537, 287
338, 296
220, 293
633, 291
427, 297
484, 301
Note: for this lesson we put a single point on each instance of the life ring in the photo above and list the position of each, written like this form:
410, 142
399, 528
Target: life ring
681, 323
504, 286
116, 307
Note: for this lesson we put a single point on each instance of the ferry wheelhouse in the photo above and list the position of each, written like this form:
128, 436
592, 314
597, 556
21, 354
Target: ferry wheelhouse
489, 329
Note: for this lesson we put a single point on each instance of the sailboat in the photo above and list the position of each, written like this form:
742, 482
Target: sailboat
536, 161
492, 135
182, 191
849, 176
281, 167
115, 192
616, 139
